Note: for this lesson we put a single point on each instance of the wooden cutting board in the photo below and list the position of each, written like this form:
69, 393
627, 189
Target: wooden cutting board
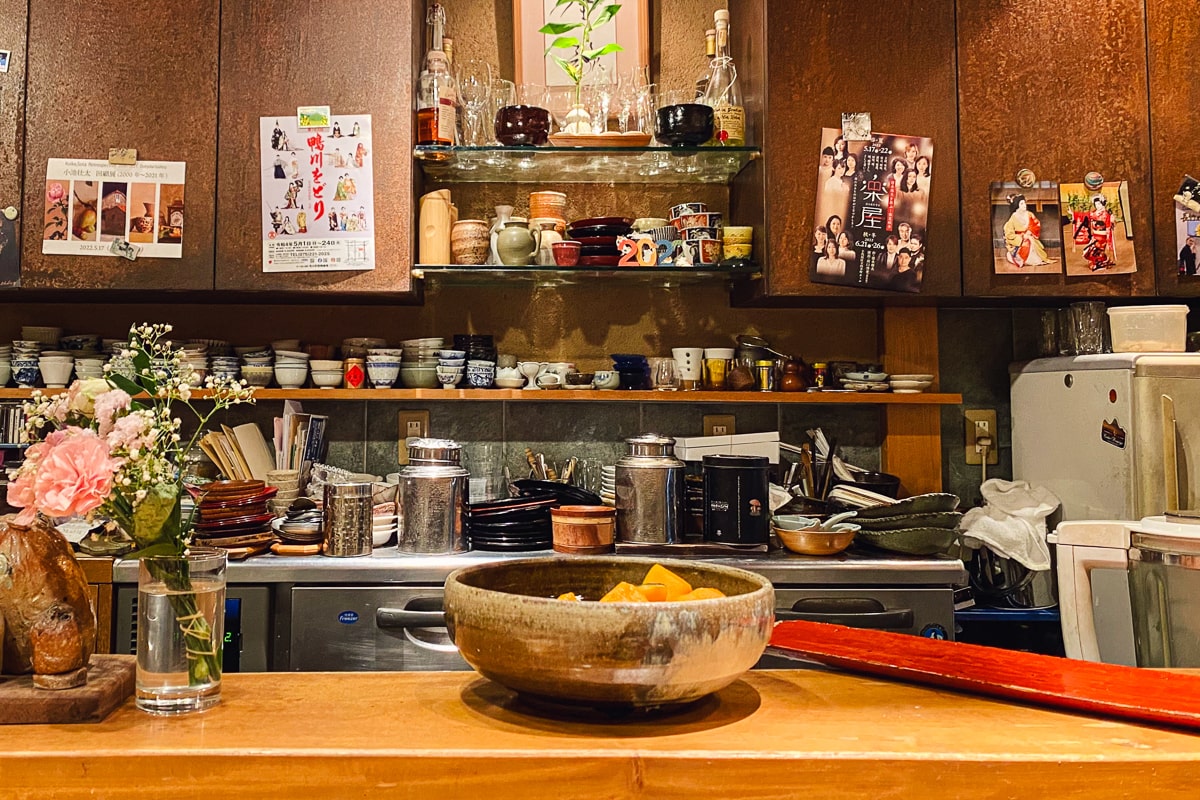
110, 682
1142, 695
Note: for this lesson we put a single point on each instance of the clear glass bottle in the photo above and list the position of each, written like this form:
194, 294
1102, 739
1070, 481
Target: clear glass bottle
437, 102
724, 91
710, 51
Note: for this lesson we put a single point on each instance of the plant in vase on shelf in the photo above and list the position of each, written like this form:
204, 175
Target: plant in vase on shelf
576, 38
112, 447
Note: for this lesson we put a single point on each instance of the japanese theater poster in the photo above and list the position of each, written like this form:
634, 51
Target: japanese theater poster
318, 213
872, 210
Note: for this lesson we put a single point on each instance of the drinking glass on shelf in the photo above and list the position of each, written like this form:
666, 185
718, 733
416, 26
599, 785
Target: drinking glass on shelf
629, 83
503, 93
599, 95
1088, 321
475, 90
664, 375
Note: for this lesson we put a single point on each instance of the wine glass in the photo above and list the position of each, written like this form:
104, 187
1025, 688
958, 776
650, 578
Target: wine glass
475, 89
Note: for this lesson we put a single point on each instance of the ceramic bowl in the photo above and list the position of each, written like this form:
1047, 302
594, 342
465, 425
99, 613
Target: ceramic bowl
325, 365
510, 383
507, 625
684, 124
579, 380
737, 251
606, 379
5, 373
327, 379
383, 374
419, 377
816, 542
291, 377
258, 376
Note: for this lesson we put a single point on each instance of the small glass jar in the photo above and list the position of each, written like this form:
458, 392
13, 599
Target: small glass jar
820, 374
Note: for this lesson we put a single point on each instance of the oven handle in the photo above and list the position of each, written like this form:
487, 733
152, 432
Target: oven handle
402, 618
892, 619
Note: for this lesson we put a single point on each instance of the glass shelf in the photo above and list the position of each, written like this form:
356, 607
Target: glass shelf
664, 277
584, 164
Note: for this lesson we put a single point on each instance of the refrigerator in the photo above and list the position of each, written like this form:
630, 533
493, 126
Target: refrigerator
1114, 436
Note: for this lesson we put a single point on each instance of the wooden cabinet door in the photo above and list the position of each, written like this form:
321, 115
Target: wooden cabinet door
134, 73
1173, 29
1058, 88
357, 58
12, 125
894, 58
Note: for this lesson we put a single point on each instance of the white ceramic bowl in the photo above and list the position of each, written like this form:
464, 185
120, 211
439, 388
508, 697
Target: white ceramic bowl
291, 377
510, 383
258, 376
325, 365
419, 377
327, 378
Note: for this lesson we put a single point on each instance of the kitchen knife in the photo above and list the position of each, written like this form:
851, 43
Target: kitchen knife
1140, 695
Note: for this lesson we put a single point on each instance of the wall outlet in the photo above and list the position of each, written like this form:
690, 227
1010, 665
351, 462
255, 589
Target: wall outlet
981, 422
720, 425
413, 425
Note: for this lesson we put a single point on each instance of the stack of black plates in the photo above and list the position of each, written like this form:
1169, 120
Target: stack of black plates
512, 524
598, 237
478, 346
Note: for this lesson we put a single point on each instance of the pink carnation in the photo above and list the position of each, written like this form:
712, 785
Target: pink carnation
108, 406
74, 475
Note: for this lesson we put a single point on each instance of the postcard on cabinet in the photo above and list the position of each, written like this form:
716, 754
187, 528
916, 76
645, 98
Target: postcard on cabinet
1187, 240
1096, 237
1026, 229
318, 212
872, 211
91, 203
5, 57
312, 116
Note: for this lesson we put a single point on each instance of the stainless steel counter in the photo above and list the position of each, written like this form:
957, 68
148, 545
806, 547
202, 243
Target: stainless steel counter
386, 566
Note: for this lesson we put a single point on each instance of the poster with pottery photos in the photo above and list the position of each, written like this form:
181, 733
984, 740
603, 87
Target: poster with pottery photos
872, 211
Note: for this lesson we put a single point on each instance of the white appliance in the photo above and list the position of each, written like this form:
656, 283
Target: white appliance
1115, 437
1142, 578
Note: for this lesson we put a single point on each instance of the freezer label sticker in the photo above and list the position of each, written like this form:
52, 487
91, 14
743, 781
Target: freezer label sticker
348, 617
1113, 433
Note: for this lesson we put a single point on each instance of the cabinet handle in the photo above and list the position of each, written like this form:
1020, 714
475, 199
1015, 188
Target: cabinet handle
894, 619
403, 618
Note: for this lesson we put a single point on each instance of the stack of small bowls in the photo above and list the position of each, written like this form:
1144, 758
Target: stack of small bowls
737, 242
481, 374
287, 481
56, 367
25, 354
383, 366
291, 368
700, 231
5, 364
119, 363
46, 336
89, 367
222, 363
419, 362
81, 345
608, 484
451, 366
326, 373
633, 369
548, 207
360, 346
195, 355
257, 365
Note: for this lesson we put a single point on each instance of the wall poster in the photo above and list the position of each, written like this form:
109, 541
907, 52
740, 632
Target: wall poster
318, 212
1026, 229
91, 203
872, 210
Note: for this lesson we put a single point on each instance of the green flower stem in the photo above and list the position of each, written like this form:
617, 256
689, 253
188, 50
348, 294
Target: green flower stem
203, 651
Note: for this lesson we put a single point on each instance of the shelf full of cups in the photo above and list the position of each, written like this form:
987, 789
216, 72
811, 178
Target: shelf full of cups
545, 243
44, 357
612, 128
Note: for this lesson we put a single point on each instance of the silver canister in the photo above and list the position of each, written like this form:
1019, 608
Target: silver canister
347, 519
650, 491
433, 499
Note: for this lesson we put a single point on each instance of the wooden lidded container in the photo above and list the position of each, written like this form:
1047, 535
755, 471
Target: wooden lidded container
584, 530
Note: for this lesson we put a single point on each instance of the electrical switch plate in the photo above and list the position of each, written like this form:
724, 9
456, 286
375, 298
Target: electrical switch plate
413, 425
719, 425
981, 422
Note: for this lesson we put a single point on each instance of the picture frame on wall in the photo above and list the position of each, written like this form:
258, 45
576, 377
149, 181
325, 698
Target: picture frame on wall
630, 29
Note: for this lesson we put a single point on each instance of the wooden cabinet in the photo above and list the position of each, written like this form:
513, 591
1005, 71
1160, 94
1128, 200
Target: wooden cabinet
13, 22
135, 73
1060, 89
1173, 29
98, 570
358, 58
894, 59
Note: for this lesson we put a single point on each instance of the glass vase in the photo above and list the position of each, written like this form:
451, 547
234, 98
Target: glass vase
180, 631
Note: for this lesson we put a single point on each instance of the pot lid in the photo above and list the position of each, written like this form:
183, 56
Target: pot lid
443, 451
735, 462
651, 444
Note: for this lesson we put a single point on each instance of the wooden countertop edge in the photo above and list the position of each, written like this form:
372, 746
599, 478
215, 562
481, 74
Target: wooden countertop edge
773, 734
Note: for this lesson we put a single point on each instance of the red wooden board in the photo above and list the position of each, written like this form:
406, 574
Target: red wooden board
1142, 695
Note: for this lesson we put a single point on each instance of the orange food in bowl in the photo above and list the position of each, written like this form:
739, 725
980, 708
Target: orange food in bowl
660, 585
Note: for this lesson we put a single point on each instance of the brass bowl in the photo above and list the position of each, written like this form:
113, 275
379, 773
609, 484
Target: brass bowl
507, 624
816, 542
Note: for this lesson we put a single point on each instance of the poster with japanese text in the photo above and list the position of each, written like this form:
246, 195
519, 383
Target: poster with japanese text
90, 204
872, 210
318, 212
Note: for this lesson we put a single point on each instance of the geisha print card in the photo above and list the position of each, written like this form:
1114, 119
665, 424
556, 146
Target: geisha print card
1096, 237
1026, 229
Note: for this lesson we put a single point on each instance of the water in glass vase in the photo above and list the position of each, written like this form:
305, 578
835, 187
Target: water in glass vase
175, 637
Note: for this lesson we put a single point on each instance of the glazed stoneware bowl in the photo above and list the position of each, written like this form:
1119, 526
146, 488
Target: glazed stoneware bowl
507, 624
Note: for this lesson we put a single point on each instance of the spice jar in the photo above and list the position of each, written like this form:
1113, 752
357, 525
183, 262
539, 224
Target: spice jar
820, 374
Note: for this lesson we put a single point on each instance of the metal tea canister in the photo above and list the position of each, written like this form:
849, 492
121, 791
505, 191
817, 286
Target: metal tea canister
433, 499
650, 491
355, 376
347, 520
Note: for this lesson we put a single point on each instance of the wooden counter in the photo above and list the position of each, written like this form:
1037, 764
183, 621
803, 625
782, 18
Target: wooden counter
775, 734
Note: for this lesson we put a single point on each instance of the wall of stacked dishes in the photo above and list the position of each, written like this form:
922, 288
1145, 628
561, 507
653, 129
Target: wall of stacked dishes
46, 358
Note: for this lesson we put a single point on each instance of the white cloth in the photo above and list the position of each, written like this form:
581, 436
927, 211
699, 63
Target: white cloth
1012, 522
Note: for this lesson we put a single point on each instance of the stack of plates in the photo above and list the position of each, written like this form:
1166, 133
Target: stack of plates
299, 527
910, 384
420, 352
233, 515
608, 484
383, 524
511, 524
598, 239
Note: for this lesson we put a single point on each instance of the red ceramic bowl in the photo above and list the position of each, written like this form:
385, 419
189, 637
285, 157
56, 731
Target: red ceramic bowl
566, 254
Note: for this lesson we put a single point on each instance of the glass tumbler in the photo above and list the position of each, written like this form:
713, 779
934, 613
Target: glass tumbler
1088, 321
180, 631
